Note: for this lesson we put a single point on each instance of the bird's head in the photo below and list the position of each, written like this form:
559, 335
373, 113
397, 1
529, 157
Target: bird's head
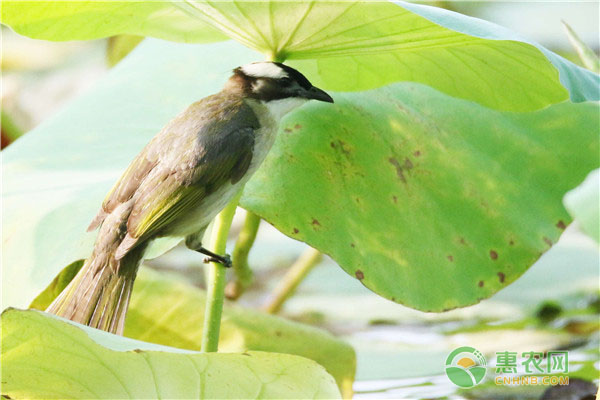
279, 87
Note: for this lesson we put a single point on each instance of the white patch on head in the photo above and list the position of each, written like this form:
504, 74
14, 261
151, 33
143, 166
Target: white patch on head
264, 70
278, 108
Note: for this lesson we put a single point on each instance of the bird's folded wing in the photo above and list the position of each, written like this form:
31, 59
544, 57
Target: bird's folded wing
125, 187
166, 195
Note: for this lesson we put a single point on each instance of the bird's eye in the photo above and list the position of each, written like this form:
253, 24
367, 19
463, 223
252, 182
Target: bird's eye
286, 81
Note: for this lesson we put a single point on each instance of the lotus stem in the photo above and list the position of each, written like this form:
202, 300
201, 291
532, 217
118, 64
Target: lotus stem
241, 268
216, 278
296, 274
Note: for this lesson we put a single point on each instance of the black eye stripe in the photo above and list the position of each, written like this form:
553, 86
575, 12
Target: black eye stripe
295, 75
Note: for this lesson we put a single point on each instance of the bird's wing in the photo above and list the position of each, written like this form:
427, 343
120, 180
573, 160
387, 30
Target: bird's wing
125, 187
165, 197
220, 153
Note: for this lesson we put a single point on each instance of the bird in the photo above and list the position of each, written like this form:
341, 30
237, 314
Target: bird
179, 182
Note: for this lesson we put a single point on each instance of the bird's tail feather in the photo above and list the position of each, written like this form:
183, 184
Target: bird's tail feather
99, 294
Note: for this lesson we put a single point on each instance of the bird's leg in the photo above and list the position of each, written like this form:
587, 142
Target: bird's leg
194, 242
225, 260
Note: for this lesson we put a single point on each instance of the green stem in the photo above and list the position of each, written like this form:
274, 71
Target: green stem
587, 56
216, 278
275, 57
297, 272
241, 269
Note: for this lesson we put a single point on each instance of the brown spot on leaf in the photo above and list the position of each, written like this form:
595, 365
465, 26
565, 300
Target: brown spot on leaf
407, 163
462, 240
297, 126
561, 225
352, 245
296, 230
399, 171
345, 149
277, 333
315, 222
287, 130
511, 242
450, 258
417, 153
493, 255
395, 198
480, 284
547, 241
138, 350
359, 275
501, 277
342, 146
358, 199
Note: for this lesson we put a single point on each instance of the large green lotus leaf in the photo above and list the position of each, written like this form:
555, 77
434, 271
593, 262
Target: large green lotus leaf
342, 45
165, 310
85, 20
428, 200
44, 357
350, 45
55, 177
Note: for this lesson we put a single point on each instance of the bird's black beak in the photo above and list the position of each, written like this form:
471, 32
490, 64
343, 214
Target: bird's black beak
315, 93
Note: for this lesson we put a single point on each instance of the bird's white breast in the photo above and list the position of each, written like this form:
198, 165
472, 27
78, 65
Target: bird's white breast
269, 114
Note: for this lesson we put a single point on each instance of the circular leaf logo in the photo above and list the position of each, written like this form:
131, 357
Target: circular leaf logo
466, 367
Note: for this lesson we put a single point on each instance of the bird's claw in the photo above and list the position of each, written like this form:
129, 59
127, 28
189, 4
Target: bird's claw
223, 260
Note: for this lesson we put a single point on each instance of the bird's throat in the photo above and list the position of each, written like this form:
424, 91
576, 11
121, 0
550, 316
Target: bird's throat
279, 108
